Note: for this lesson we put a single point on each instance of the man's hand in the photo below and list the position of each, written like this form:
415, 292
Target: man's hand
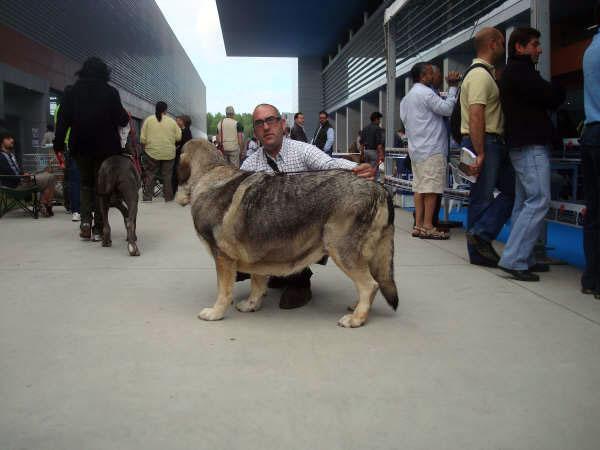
60, 157
453, 78
476, 168
364, 171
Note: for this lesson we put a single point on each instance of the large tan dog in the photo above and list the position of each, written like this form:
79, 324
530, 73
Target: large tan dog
265, 224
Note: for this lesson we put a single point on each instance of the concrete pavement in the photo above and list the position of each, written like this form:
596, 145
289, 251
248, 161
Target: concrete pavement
100, 350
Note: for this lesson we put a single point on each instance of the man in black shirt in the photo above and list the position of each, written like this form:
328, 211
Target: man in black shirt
526, 97
297, 133
371, 141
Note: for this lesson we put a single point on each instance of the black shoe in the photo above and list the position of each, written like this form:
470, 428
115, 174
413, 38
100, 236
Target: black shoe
276, 283
295, 297
241, 276
484, 248
522, 275
539, 267
481, 261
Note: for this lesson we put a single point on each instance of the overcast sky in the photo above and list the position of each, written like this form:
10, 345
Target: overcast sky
241, 82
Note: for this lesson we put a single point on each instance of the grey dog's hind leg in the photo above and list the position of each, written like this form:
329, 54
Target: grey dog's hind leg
366, 287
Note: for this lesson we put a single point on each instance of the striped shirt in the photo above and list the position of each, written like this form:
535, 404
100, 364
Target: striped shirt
295, 156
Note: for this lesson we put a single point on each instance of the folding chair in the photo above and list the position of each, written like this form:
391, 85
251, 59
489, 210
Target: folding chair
26, 199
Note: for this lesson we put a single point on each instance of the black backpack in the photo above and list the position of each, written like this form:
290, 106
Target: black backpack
455, 118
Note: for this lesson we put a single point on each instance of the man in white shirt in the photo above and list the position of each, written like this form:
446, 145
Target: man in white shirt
422, 111
287, 155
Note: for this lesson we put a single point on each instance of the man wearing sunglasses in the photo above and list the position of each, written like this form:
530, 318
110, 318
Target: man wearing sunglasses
286, 155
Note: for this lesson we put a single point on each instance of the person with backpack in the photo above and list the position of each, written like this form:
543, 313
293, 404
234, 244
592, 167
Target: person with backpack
482, 131
526, 97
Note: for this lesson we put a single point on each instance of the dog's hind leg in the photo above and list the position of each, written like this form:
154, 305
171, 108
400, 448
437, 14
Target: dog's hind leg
121, 206
366, 287
258, 289
226, 269
130, 226
104, 204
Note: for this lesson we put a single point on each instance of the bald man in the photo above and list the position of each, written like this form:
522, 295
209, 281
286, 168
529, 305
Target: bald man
482, 129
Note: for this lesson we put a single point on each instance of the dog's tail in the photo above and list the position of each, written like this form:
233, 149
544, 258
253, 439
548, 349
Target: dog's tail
382, 265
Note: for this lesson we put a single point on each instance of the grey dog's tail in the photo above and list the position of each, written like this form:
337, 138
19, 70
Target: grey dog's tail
382, 265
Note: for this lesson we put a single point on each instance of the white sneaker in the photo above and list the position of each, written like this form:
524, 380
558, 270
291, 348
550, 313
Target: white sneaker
96, 237
76, 217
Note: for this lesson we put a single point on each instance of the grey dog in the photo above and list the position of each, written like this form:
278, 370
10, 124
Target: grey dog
265, 224
118, 186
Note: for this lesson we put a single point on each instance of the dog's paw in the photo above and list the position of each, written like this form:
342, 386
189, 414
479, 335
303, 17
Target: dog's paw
133, 250
353, 306
349, 321
209, 314
247, 306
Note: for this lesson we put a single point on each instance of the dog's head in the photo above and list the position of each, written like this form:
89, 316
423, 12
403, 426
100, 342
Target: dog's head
198, 157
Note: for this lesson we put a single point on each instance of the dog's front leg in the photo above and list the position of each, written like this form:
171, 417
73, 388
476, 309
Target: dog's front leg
226, 269
258, 289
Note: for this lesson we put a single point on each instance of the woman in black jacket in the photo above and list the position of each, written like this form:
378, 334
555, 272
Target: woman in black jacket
93, 111
184, 122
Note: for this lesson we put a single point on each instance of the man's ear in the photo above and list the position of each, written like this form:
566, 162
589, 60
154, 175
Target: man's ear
183, 169
283, 123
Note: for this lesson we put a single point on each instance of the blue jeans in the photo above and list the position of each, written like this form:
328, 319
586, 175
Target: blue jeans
590, 162
487, 215
532, 200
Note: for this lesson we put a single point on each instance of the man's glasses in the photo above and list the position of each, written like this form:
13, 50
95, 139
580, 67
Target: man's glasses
269, 121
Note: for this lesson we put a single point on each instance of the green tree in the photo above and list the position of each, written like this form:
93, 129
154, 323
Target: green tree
245, 119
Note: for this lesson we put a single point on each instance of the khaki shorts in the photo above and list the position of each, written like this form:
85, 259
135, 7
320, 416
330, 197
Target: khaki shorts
429, 176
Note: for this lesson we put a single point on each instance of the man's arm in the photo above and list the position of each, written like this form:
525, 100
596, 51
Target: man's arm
477, 134
440, 106
530, 86
63, 123
315, 159
241, 141
329, 141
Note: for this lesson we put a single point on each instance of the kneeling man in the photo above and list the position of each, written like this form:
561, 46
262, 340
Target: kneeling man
286, 155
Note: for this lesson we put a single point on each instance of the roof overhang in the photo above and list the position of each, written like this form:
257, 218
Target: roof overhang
285, 28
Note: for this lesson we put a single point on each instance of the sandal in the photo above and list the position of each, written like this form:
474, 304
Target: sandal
417, 231
434, 234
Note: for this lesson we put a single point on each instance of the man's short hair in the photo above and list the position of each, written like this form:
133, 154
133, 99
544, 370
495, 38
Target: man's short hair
6, 135
297, 114
229, 110
522, 36
417, 70
270, 106
376, 115
324, 112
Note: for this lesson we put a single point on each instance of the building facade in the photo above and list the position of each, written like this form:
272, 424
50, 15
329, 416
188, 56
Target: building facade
43, 43
344, 72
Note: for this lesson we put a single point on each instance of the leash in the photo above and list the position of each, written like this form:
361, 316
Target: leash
136, 157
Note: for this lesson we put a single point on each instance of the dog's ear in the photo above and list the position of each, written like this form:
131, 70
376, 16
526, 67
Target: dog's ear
183, 169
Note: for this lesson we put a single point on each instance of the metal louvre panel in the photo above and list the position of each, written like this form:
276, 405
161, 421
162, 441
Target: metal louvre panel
360, 62
133, 38
422, 24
